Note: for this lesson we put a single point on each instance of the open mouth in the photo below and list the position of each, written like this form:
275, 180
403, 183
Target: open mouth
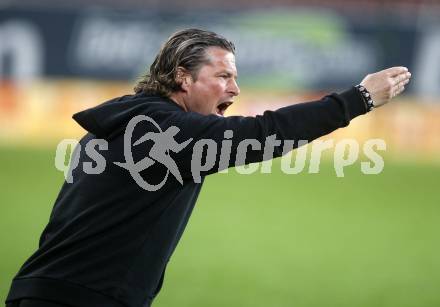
221, 108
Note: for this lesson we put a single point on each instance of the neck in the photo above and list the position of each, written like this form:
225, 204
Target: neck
177, 98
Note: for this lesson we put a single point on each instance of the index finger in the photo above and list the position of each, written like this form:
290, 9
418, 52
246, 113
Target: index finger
397, 70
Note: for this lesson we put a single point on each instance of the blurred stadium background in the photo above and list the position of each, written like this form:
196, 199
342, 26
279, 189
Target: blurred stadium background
260, 240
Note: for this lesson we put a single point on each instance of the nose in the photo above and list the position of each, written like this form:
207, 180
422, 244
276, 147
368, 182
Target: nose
233, 88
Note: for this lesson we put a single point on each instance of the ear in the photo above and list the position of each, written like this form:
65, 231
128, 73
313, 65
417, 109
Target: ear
184, 78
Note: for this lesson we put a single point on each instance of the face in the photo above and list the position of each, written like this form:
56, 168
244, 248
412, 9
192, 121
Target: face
215, 87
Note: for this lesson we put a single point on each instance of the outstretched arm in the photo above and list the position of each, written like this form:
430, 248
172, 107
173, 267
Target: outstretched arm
298, 122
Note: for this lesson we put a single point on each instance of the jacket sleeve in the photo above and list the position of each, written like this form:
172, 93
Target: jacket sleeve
305, 121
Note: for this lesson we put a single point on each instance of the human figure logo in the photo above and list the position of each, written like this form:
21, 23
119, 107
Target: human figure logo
164, 142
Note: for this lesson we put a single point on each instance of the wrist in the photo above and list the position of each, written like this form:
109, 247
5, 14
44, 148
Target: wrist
366, 96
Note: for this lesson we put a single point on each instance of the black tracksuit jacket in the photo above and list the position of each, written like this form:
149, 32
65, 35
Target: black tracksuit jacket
108, 241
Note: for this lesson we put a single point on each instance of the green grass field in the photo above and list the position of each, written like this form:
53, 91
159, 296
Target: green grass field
304, 240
